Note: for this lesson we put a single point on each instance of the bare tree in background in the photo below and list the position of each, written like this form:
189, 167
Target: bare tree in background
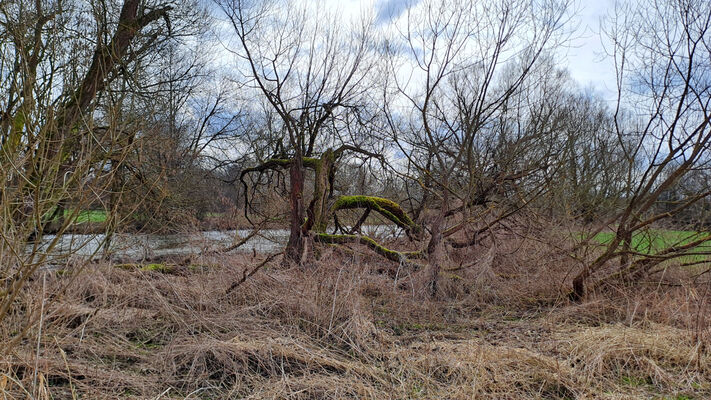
182, 116
313, 75
588, 181
476, 144
661, 122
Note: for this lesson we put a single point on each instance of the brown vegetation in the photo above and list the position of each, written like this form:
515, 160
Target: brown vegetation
545, 241
354, 326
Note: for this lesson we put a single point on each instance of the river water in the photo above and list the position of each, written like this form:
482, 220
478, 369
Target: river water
147, 246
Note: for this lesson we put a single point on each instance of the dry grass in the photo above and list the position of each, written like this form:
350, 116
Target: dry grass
344, 328
658, 355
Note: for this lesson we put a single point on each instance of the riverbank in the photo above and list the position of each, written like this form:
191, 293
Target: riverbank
351, 326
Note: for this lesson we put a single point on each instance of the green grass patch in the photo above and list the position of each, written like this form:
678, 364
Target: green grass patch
83, 216
655, 240
635, 381
87, 216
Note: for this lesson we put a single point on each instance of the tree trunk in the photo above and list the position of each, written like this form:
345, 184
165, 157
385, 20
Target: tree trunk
579, 287
435, 254
295, 247
112, 211
319, 210
579, 281
435, 247
626, 246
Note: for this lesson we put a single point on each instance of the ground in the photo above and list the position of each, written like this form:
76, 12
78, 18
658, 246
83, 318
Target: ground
350, 325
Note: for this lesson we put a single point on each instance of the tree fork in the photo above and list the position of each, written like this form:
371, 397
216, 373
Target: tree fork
273, 164
318, 208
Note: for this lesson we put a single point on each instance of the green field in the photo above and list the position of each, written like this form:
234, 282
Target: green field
653, 241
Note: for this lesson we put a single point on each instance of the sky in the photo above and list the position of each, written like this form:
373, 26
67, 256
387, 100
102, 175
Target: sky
585, 56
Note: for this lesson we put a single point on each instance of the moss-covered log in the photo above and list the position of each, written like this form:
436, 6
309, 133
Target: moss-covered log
387, 208
392, 255
164, 268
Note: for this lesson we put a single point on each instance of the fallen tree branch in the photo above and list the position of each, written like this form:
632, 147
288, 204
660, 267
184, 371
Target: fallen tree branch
246, 239
391, 255
246, 275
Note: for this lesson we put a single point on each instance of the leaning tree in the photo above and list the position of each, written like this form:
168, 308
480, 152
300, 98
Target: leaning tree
59, 60
315, 76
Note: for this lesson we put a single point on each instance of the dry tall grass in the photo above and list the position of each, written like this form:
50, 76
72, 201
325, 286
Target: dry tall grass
345, 328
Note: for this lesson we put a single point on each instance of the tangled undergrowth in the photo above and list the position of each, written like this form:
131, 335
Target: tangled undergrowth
345, 328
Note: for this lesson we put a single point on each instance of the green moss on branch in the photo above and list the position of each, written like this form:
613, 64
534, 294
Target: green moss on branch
366, 241
387, 208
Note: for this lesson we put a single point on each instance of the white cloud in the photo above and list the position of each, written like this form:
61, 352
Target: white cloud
585, 57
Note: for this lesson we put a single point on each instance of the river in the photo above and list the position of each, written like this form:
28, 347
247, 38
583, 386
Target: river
127, 246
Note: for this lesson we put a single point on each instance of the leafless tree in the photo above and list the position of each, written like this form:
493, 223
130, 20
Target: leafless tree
661, 122
313, 76
57, 61
185, 118
475, 140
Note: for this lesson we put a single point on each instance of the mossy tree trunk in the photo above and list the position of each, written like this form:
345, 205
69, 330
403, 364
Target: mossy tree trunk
295, 246
319, 212
385, 207
323, 178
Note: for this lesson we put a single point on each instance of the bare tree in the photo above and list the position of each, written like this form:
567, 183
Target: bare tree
57, 59
661, 122
476, 144
183, 118
313, 75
